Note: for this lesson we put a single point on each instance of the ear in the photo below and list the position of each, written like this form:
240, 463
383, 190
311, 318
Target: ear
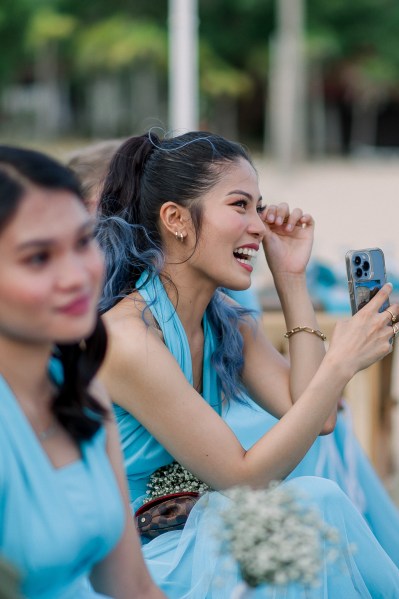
174, 219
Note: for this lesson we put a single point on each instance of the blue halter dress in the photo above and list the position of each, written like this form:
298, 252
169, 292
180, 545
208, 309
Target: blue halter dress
187, 564
55, 523
337, 456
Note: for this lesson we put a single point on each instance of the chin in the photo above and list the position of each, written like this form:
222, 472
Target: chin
238, 283
75, 334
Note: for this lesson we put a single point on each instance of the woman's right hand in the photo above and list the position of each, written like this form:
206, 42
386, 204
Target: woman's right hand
367, 336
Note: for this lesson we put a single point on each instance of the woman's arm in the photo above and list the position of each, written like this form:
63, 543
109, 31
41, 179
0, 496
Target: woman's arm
123, 573
287, 244
143, 377
277, 384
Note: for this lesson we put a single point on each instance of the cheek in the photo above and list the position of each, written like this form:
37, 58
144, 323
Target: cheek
229, 227
17, 291
220, 220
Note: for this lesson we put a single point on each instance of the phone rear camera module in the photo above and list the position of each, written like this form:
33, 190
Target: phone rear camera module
358, 272
357, 260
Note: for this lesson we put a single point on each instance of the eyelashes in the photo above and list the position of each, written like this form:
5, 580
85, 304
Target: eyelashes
244, 203
38, 259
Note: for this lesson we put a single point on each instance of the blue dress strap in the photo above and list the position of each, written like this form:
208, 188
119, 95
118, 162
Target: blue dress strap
175, 338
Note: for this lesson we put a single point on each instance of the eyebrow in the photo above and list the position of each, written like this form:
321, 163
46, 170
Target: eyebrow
42, 243
244, 193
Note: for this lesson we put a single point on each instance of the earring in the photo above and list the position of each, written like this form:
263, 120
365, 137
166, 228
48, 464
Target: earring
179, 235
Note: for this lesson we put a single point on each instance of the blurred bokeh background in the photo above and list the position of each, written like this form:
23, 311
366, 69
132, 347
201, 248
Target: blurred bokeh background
326, 72
310, 86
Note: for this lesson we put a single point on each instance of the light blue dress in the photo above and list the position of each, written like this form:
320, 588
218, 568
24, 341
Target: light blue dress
337, 456
186, 564
55, 524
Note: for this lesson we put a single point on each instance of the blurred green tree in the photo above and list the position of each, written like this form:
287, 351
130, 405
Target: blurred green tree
14, 21
352, 47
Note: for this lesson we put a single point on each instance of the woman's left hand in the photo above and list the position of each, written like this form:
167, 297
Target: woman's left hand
288, 239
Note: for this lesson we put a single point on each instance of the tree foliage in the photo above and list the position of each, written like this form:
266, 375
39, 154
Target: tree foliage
233, 31
14, 19
118, 42
356, 42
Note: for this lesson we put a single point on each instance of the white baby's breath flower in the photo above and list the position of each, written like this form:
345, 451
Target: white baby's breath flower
275, 537
173, 478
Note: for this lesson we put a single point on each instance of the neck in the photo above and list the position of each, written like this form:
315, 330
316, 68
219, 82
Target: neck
25, 368
190, 293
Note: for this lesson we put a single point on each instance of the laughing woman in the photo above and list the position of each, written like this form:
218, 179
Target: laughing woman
182, 218
337, 456
64, 511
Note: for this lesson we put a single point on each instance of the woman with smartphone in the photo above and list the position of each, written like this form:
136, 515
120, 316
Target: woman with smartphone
183, 217
337, 456
64, 512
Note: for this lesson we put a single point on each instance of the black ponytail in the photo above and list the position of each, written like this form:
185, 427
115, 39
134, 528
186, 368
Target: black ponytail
122, 187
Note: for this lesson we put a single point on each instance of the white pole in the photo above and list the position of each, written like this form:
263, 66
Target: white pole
287, 85
183, 65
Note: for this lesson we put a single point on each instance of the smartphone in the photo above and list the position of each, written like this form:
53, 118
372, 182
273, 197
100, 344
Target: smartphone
366, 275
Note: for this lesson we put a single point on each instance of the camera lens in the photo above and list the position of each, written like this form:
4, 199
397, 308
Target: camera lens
357, 260
366, 265
358, 272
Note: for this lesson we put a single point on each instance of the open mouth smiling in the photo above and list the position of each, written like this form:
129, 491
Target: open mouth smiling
245, 255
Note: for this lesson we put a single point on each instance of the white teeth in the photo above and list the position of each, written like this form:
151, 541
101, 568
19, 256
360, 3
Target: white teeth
251, 260
250, 254
247, 251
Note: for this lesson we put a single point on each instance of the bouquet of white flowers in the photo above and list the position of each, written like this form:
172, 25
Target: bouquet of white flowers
173, 478
275, 538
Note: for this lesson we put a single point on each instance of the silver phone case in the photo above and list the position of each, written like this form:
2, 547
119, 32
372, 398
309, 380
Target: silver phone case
362, 286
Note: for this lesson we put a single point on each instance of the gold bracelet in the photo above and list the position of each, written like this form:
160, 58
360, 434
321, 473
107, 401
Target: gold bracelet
289, 334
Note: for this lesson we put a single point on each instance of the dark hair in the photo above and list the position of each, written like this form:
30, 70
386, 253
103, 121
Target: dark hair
145, 173
77, 411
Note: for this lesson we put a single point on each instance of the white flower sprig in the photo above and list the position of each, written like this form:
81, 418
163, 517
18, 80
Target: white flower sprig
275, 538
173, 478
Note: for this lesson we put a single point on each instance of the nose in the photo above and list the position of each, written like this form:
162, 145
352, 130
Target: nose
256, 226
72, 273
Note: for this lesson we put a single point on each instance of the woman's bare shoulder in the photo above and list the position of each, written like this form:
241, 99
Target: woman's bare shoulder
132, 331
129, 315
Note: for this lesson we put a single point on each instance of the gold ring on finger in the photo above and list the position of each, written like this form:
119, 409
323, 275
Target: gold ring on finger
393, 316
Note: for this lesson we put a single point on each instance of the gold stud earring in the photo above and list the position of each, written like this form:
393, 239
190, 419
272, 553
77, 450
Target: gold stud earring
179, 236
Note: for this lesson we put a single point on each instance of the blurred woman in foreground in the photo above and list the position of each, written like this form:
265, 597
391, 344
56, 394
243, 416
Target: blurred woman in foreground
63, 505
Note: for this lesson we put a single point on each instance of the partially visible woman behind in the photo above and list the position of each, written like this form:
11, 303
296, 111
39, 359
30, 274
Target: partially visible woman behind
338, 456
64, 511
90, 165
